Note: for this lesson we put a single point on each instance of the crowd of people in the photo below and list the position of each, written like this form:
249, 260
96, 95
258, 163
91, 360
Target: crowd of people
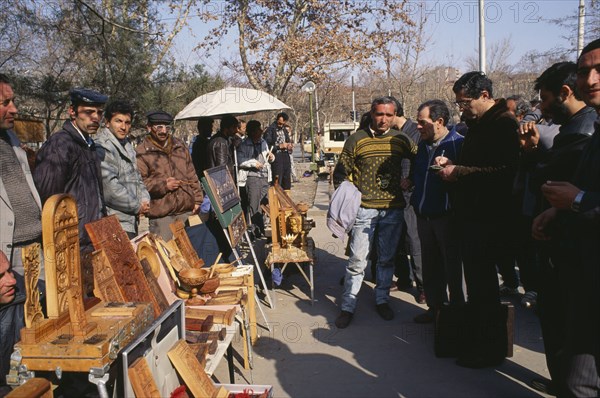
514, 184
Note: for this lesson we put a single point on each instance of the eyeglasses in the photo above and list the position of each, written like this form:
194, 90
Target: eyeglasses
162, 126
464, 103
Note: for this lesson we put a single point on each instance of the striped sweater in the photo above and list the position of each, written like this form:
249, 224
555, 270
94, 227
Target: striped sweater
374, 165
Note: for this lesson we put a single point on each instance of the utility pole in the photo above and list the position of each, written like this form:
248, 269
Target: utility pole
482, 65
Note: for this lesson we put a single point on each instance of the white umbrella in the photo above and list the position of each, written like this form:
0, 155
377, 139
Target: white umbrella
230, 101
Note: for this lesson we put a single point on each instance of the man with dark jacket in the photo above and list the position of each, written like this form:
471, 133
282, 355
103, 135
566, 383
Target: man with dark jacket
68, 162
442, 267
483, 179
220, 147
199, 148
573, 222
278, 138
166, 167
562, 103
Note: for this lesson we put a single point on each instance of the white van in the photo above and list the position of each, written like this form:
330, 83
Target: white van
335, 135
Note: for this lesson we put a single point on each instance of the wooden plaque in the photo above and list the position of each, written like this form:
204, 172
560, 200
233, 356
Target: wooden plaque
236, 229
223, 187
154, 287
182, 241
106, 287
60, 232
107, 234
141, 379
30, 255
185, 362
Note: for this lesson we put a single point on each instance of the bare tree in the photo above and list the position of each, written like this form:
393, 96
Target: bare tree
306, 39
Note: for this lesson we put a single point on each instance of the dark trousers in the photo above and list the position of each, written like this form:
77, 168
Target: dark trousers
442, 265
282, 170
481, 243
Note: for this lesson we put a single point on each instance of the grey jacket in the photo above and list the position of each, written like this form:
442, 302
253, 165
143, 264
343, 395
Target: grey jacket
124, 190
7, 217
343, 209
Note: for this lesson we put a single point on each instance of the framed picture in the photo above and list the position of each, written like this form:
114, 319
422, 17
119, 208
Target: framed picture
223, 187
236, 229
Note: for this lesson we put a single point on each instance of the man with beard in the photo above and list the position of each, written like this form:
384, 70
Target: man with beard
68, 163
562, 103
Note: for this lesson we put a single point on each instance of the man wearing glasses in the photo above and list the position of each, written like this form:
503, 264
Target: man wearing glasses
483, 179
167, 169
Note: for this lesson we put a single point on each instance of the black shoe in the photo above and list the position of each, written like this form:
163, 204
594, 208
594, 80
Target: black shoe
426, 317
478, 361
344, 319
385, 311
543, 385
420, 298
404, 286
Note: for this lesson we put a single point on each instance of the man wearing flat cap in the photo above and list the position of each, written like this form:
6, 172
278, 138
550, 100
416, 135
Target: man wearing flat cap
168, 172
68, 163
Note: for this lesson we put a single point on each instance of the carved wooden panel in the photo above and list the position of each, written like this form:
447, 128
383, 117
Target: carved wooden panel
61, 254
106, 287
182, 241
154, 287
107, 234
30, 256
185, 362
141, 379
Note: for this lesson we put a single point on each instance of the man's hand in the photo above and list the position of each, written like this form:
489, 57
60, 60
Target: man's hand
529, 136
539, 228
560, 194
196, 209
442, 161
172, 184
144, 208
405, 184
448, 173
259, 165
270, 157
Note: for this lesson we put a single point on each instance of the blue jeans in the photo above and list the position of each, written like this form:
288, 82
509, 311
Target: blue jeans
388, 224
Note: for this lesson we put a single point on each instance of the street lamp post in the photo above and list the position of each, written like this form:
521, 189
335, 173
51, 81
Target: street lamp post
309, 87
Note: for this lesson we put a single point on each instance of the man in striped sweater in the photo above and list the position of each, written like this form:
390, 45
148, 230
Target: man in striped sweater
372, 160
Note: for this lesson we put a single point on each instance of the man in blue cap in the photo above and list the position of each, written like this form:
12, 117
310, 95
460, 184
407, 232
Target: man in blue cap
68, 163
168, 172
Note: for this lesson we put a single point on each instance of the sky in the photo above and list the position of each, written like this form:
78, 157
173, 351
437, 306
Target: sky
453, 26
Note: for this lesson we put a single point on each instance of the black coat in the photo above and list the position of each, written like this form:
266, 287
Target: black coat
488, 164
66, 164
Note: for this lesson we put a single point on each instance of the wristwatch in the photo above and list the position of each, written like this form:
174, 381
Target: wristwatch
577, 201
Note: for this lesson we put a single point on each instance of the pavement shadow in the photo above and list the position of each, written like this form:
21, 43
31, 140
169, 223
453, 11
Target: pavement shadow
311, 374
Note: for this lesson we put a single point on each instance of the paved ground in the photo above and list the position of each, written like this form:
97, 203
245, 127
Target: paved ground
305, 355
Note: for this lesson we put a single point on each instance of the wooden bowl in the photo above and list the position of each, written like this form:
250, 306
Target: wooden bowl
223, 268
193, 277
210, 285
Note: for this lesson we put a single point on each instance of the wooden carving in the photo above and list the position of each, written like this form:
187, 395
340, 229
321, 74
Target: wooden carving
30, 256
182, 241
108, 234
105, 284
146, 251
154, 287
61, 253
185, 362
141, 379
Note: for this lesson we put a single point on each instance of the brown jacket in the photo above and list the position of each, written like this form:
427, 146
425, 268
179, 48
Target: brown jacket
156, 165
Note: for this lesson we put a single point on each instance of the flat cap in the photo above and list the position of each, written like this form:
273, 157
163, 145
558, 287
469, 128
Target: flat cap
86, 96
159, 117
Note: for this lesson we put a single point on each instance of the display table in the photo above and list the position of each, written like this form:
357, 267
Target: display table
284, 256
